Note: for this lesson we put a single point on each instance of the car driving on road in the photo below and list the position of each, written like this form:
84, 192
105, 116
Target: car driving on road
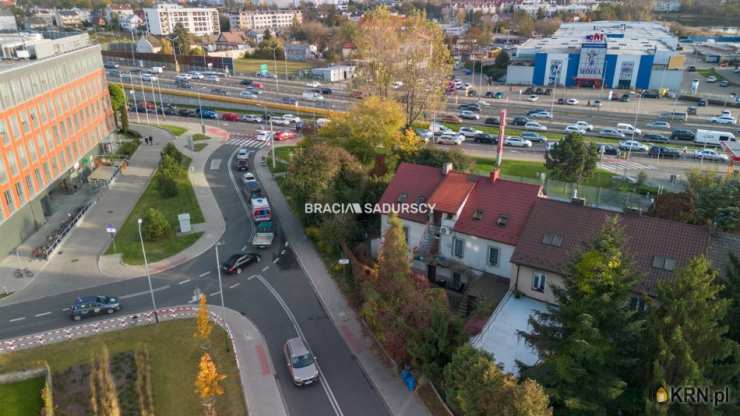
517, 142
533, 125
533, 137
469, 132
301, 362
709, 154
664, 152
238, 262
633, 146
87, 306
659, 124
469, 115
451, 138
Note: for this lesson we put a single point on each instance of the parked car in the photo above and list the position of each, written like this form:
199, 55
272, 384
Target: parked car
659, 124
683, 134
650, 94
492, 121
664, 152
251, 118
596, 103
702, 102
711, 79
533, 125
655, 138
625, 98
633, 146
533, 137
424, 134
313, 84
230, 117
611, 132
629, 129
87, 306
451, 118
710, 154
469, 106
469, 115
607, 149
170, 110
469, 131
485, 138
301, 362
520, 121
451, 138
238, 262
206, 113
517, 142
285, 135
498, 95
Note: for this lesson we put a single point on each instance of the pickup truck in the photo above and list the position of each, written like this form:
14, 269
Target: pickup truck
264, 235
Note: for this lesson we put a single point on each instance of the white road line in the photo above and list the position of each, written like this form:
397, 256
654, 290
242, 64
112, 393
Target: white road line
251, 277
275, 260
244, 248
182, 282
65, 309
204, 274
144, 292
325, 383
214, 293
264, 269
39, 315
282, 252
18, 319
234, 285
286, 244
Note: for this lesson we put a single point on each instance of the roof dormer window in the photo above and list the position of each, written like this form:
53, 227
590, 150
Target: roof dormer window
402, 197
552, 239
502, 220
477, 215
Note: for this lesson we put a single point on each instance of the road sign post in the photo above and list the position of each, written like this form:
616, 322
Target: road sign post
110, 229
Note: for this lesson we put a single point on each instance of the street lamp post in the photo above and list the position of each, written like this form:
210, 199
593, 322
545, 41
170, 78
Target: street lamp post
136, 106
148, 276
274, 66
143, 94
157, 109
161, 102
200, 112
272, 141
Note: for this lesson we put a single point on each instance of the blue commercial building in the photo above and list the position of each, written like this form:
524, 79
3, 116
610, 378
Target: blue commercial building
638, 55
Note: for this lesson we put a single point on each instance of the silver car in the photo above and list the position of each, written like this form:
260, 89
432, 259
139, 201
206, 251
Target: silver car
301, 362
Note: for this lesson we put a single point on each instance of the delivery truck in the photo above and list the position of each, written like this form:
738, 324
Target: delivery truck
264, 235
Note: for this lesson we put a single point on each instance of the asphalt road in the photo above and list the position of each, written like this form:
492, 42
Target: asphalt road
275, 294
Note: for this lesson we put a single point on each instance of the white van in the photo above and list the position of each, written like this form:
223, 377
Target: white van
157, 69
713, 137
312, 96
628, 129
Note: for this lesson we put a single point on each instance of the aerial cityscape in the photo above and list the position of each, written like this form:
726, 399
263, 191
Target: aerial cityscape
369, 207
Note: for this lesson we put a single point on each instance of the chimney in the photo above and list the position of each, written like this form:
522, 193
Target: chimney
495, 175
446, 168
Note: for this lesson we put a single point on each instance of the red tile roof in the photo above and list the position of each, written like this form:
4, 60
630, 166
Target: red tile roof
415, 181
512, 200
451, 193
645, 238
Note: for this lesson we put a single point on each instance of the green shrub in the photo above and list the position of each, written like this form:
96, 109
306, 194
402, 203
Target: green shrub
171, 150
199, 137
170, 167
155, 226
166, 186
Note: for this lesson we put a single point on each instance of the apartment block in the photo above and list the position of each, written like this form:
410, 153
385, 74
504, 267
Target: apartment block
54, 111
161, 20
260, 20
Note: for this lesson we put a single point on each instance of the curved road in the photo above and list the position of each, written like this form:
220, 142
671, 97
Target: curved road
275, 294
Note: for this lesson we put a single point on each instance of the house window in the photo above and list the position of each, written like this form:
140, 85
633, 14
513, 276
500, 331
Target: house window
665, 263
29, 184
4, 132
9, 201
458, 247
477, 215
493, 253
19, 192
406, 234
552, 239
538, 282
449, 216
502, 220
637, 303
39, 180
402, 197
421, 199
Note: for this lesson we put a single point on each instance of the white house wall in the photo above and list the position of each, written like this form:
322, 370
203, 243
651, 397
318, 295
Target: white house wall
475, 254
415, 231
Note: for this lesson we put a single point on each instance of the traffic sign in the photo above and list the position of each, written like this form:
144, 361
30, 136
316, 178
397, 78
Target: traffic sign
110, 229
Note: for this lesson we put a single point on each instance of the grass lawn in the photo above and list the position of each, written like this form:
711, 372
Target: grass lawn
197, 147
200, 136
283, 155
174, 359
531, 170
251, 66
127, 239
175, 130
21, 398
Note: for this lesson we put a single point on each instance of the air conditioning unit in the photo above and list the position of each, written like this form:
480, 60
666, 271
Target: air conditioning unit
444, 230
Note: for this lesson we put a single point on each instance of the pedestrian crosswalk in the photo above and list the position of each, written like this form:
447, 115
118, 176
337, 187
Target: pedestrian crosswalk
617, 165
243, 141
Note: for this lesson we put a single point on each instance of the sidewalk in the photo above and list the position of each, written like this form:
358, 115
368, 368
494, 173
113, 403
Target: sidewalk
388, 384
213, 227
256, 371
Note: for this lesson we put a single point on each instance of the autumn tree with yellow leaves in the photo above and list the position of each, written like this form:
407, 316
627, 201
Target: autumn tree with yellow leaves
203, 326
207, 384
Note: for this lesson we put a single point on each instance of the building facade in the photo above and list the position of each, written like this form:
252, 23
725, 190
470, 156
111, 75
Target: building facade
642, 55
264, 19
54, 110
7, 21
161, 20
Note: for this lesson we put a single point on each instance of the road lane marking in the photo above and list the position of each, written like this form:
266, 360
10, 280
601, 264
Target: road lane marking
286, 244
204, 274
282, 252
214, 293
275, 260
264, 269
18, 319
143, 292
251, 277
65, 309
215, 164
244, 248
182, 282
39, 315
234, 285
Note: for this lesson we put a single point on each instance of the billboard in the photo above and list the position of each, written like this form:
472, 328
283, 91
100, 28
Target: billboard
591, 64
556, 67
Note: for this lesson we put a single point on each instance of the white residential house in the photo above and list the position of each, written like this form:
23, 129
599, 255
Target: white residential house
131, 22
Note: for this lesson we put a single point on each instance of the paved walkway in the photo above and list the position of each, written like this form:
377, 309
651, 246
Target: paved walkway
385, 379
256, 371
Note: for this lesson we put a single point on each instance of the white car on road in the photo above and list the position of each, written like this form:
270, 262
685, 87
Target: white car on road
724, 120
313, 84
517, 142
533, 125
213, 78
451, 138
280, 121
196, 75
263, 135
291, 118
242, 154
248, 177
571, 101
711, 78
633, 146
248, 94
469, 115
659, 124
575, 129
184, 77
149, 77
469, 131
584, 125
533, 98
710, 154
541, 114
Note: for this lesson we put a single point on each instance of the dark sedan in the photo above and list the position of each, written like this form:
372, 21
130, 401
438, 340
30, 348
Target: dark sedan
184, 112
485, 138
664, 152
238, 262
655, 138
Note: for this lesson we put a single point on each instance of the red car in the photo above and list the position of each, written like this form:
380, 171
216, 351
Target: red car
285, 135
230, 117
258, 85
